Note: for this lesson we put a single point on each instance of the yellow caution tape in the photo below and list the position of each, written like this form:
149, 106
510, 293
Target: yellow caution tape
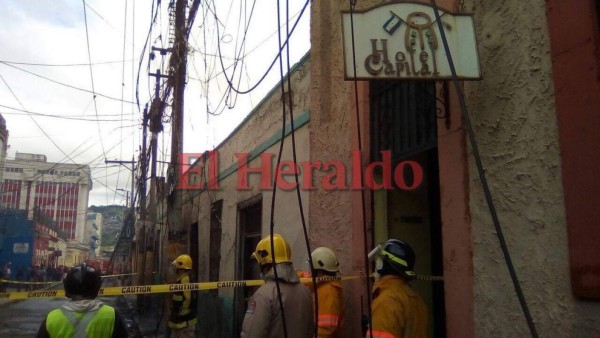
21, 282
162, 288
122, 274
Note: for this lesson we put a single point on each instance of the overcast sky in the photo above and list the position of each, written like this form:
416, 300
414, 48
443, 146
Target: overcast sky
47, 85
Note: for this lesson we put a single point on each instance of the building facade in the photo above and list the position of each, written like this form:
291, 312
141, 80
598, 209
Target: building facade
533, 114
93, 232
53, 191
3, 144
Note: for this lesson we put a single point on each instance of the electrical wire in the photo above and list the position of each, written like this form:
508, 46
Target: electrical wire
122, 93
229, 81
75, 118
153, 15
62, 64
87, 39
273, 194
64, 84
362, 191
295, 160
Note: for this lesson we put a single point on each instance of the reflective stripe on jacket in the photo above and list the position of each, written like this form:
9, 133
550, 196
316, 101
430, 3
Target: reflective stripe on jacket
331, 311
183, 306
62, 323
397, 310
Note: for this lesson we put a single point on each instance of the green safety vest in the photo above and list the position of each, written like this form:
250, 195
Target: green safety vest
92, 324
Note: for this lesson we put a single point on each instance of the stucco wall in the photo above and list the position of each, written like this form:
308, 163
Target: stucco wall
336, 216
261, 129
512, 111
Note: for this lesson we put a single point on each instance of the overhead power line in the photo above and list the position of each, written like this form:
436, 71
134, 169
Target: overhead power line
63, 64
66, 117
64, 84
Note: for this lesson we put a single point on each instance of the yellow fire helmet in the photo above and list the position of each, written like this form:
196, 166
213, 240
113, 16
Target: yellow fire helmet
183, 262
263, 255
323, 258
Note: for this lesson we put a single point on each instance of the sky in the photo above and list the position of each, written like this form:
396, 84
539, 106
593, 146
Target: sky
70, 71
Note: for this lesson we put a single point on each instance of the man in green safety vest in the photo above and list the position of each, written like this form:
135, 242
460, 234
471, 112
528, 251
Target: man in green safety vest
83, 315
182, 322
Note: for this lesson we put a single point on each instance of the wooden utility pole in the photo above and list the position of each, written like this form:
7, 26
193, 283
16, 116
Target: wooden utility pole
178, 68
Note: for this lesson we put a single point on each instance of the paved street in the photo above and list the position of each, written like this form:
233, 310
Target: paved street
22, 318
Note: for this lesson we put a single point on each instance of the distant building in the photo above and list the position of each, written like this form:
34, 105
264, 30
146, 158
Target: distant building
16, 240
3, 144
93, 232
57, 192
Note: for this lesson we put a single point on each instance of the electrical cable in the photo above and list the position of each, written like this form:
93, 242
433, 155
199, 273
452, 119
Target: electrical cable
74, 118
272, 63
152, 22
64, 84
61, 64
352, 4
481, 172
122, 95
87, 39
279, 155
295, 160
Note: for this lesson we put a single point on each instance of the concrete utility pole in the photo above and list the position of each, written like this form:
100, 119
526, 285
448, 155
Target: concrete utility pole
178, 67
156, 127
141, 238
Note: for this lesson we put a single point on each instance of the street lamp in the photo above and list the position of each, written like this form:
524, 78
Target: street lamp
126, 196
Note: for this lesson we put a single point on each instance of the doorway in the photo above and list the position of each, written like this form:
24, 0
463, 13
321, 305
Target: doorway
249, 234
404, 122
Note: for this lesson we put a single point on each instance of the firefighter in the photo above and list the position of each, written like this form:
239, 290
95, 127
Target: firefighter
83, 315
397, 310
182, 322
329, 293
263, 316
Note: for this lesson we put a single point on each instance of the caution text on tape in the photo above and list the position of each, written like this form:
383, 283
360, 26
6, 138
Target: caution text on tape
160, 288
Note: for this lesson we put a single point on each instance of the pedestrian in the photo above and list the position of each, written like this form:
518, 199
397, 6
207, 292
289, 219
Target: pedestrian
264, 317
182, 322
20, 278
42, 274
7, 270
397, 310
83, 315
329, 293
33, 277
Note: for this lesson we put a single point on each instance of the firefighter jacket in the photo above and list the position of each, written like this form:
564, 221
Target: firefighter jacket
83, 318
263, 317
397, 310
331, 310
183, 306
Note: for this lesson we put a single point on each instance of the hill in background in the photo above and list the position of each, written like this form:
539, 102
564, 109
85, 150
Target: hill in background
113, 216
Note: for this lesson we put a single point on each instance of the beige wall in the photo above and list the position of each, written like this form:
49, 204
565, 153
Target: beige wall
263, 126
512, 110
515, 118
336, 216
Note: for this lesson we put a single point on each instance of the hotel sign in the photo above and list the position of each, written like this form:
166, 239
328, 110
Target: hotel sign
403, 41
